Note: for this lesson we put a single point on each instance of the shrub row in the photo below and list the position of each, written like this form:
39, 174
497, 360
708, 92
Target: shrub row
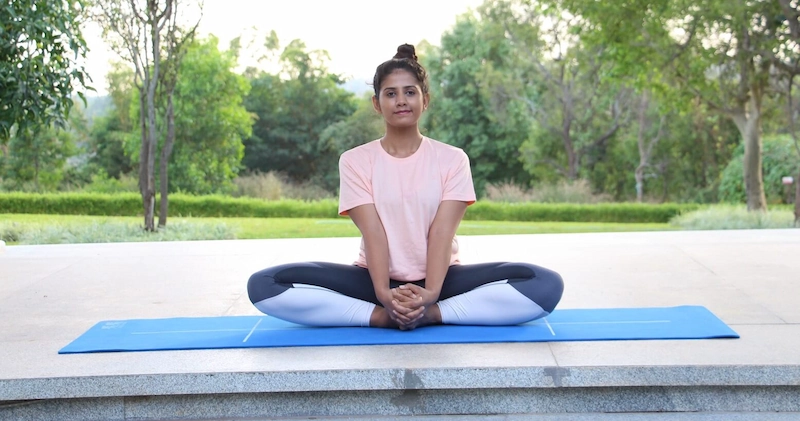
129, 204
572, 212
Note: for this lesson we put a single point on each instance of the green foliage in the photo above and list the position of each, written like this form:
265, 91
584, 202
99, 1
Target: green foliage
210, 121
273, 186
36, 158
718, 50
102, 183
267, 186
733, 217
110, 133
562, 85
364, 125
41, 49
779, 160
564, 191
569, 212
254, 228
463, 112
113, 232
293, 108
129, 204
686, 162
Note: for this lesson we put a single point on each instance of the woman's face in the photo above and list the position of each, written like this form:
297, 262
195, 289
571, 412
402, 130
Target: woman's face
400, 99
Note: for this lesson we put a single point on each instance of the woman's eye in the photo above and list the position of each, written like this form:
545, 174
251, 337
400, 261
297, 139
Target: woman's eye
410, 93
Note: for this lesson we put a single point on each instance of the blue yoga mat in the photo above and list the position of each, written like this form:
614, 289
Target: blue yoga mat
685, 322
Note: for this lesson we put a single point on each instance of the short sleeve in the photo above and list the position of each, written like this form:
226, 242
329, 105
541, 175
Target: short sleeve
355, 186
458, 184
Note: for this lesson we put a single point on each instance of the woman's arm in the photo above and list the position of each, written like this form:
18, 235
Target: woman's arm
376, 248
440, 248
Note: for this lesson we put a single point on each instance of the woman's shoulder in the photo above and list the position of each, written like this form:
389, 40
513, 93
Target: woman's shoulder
446, 150
360, 152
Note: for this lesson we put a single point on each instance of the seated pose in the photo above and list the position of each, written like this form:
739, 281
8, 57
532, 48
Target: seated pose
407, 194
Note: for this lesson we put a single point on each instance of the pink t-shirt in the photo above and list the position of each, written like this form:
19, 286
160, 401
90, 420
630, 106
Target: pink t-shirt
406, 193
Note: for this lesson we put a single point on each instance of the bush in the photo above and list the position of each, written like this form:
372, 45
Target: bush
259, 185
572, 212
10, 233
272, 186
779, 160
112, 232
723, 217
507, 193
565, 191
102, 183
129, 204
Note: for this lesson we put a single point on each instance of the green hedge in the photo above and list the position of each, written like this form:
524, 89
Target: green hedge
129, 204
569, 212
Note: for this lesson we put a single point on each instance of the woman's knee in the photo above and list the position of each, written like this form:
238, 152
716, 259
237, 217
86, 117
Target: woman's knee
264, 284
545, 287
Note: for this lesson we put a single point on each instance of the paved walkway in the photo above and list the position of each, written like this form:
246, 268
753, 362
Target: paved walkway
51, 294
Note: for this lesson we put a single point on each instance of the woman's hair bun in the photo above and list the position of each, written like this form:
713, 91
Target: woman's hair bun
406, 51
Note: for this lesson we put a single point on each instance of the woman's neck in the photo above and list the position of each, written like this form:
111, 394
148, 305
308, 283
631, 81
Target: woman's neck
401, 142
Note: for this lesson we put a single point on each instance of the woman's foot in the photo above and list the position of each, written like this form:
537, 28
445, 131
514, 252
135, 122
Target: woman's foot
380, 318
432, 316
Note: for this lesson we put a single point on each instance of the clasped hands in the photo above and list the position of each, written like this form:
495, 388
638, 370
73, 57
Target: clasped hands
406, 304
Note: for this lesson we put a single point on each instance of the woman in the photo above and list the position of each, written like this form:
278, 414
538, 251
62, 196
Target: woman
407, 194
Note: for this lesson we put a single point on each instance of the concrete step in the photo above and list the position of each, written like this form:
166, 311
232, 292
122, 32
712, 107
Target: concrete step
368, 404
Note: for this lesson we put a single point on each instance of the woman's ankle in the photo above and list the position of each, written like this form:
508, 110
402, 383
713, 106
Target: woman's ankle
380, 318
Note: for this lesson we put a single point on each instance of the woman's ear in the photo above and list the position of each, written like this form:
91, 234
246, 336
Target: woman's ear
376, 104
426, 100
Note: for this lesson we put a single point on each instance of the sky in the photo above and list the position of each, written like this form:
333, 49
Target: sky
358, 34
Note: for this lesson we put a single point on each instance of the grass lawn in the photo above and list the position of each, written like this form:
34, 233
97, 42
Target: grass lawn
248, 228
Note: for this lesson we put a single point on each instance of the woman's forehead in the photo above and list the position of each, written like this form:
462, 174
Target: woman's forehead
400, 79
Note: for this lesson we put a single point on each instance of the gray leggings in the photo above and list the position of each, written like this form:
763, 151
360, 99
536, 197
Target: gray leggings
542, 286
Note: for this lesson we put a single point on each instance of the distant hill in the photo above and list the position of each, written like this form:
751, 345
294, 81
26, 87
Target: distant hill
358, 86
97, 106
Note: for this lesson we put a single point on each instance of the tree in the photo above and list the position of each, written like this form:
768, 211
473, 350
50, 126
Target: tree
463, 112
646, 140
36, 156
292, 109
41, 48
713, 48
785, 32
364, 125
563, 85
140, 31
210, 120
113, 131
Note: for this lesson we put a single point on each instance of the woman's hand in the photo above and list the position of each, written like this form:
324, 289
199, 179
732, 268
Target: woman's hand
416, 296
400, 307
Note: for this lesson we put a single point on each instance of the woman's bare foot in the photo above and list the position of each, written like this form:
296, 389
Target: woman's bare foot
432, 316
380, 318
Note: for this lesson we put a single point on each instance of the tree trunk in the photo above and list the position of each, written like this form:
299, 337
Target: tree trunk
643, 158
797, 200
166, 151
147, 200
36, 171
749, 124
150, 191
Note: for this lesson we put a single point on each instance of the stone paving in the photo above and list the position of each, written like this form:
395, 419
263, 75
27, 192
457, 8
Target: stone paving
750, 279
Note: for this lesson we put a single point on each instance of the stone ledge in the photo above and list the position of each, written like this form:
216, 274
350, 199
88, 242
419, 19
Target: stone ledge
397, 379
412, 403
